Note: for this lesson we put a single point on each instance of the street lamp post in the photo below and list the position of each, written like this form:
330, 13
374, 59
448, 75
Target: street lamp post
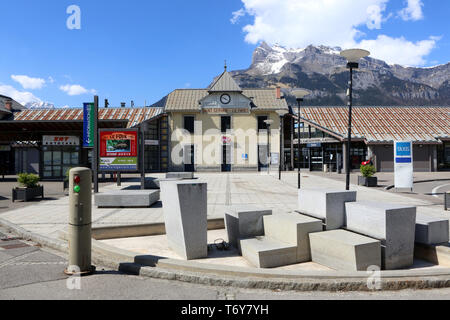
268, 123
353, 56
281, 113
299, 95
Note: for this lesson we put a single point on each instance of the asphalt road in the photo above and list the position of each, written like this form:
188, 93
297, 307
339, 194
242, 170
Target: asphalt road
29, 272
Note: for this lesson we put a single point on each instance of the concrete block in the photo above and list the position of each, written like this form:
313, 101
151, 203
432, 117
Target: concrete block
293, 229
328, 205
185, 216
431, 230
393, 224
180, 175
151, 183
127, 199
263, 252
344, 250
244, 221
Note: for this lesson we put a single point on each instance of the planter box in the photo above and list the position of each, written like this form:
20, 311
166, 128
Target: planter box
368, 182
27, 194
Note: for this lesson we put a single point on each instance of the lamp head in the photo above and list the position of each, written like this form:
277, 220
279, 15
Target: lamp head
354, 55
282, 112
300, 94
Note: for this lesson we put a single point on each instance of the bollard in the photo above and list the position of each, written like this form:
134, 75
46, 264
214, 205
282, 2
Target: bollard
80, 222
447, 201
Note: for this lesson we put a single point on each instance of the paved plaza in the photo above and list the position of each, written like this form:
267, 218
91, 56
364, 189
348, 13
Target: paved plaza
48, 217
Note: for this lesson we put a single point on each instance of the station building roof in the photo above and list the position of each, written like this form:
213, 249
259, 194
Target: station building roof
382, 124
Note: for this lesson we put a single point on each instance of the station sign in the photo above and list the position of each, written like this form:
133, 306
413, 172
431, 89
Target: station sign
60, 141
119, 150
403, 163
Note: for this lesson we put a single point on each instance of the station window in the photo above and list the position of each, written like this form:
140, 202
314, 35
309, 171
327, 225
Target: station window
261, 124
189, 123
225, 124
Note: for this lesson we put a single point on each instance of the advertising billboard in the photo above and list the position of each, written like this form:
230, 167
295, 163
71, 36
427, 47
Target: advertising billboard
119, 150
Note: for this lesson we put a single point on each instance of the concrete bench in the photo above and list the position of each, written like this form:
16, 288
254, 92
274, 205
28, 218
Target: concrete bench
431, 230
394, 225
344, 250
185, 215
127, 199
293, 229
180, 175
244, 221
328, 205
263, 252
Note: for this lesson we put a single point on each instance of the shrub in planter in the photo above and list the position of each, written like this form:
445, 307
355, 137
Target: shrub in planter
367, 179
29, 187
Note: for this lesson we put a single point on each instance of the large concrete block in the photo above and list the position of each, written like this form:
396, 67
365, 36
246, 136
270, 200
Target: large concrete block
431, 230
293, 229
244, 221
328, 205
180, 175
344, 250
127, 199
263, 252
394, 225
185, 216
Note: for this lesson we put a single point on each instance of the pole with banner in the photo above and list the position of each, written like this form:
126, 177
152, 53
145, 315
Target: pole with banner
404, 165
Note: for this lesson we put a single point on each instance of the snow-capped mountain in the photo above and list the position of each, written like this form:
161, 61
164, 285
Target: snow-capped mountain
39, 105
323, 71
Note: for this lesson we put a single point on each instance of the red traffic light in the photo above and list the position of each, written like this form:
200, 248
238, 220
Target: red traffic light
77, 179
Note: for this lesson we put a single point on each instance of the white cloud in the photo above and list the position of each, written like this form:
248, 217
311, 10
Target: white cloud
22, 97
400, 50
75, 90
236, 15
295, 23
28, 82
299, 23
413, 11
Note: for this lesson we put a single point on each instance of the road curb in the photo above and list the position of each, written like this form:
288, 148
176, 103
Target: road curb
214, 275
416, 182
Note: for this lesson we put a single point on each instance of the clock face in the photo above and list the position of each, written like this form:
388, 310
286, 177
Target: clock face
225, 98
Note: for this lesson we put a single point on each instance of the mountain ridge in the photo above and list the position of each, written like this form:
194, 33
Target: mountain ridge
323, 71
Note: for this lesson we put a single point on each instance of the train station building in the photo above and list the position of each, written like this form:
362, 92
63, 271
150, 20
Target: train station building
227, 128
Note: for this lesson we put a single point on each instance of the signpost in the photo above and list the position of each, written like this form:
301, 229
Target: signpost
403, 160
88, 125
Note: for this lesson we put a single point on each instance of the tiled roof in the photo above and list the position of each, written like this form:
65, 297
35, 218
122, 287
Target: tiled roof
225, 83
134, 116
383, 124
188, 99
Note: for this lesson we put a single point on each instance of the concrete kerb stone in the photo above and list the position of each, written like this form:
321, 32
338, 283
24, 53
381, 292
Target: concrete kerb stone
199, 273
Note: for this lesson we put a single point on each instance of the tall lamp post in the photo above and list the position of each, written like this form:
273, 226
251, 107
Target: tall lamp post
269, 123
353, 56
281, 113
299, 94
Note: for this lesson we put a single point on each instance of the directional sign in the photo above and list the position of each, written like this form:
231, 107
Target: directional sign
88, 125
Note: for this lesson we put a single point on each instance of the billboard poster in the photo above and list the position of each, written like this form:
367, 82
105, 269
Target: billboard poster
119, 150
403, 162
88, 125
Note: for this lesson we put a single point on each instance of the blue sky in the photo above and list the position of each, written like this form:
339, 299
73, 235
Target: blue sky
141, 50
